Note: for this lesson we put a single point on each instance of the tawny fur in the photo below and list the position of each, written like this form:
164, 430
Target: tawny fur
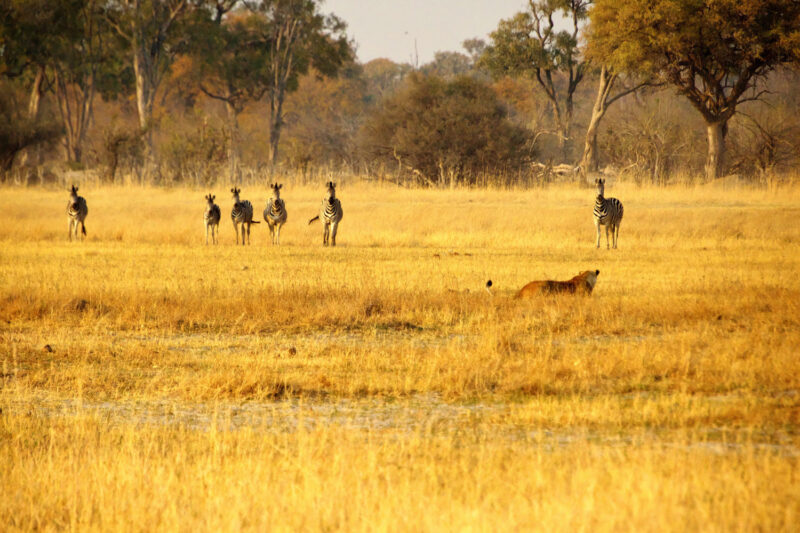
583, 283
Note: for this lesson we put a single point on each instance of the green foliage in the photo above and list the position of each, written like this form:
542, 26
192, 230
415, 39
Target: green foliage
229, 61
530, 43
441, 131
713, 52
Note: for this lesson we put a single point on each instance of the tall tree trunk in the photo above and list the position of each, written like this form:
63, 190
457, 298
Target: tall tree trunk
36, 93
275, 125
75, 105
33, 112
233, 149
589, 159
716, 148
144, 102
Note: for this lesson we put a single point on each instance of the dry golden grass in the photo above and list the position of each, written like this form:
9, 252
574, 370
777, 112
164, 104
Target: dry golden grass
376, 385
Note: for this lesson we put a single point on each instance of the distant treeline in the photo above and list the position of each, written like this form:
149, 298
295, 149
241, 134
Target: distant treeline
166, 91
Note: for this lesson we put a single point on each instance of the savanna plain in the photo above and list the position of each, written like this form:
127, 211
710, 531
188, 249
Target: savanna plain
151, 382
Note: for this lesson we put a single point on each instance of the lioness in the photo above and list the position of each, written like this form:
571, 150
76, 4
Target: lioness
582, 283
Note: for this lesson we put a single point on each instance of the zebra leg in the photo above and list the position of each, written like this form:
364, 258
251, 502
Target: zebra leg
69, 232
325, 233
334, 228
215, 233
236, 231
212, 238
271, 233
597, 226
278, 235
616, 234
243, 224
608, 247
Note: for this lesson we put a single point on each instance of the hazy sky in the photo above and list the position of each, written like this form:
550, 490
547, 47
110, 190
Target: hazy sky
387, 28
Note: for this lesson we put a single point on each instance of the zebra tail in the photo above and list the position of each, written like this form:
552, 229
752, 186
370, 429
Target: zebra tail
313, 219
255, 222
83, 228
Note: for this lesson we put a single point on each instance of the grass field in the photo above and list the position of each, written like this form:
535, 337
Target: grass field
148, 381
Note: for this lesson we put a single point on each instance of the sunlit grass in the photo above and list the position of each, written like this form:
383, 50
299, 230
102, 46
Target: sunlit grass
669, 399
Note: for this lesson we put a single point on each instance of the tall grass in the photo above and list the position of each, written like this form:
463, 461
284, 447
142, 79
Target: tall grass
666, 400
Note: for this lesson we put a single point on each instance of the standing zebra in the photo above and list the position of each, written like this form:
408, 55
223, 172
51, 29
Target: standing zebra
275, 213
211, 218
77, 211
607, 212
331, 214
242, 213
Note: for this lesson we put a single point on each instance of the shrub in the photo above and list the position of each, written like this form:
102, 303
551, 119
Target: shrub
441, 132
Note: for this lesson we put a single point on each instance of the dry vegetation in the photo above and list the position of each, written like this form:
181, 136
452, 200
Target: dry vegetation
149, 381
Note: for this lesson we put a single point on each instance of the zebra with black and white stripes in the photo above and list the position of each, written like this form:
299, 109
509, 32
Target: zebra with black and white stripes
242, 213
275, 213
607, 212
76, 211
330, 214
211, 219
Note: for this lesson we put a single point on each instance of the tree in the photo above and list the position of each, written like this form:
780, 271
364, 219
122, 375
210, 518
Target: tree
296, 37
714, 52
384, 76
82, 61
230, 63
441, 132
529, 44
150, 28
605, 97
18, 130
447, 65
323, 117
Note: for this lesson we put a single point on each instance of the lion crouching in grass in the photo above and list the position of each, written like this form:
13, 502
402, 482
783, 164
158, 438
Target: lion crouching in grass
583, 283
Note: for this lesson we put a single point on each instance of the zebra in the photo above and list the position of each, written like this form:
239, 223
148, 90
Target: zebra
607, 212
211, 218
242, 213
330, 214
77, 211
275, 213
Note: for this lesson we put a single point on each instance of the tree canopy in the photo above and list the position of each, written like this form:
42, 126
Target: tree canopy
713, 52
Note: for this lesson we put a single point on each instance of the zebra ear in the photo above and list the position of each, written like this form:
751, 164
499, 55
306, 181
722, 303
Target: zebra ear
213, 197
280, 186
596, 272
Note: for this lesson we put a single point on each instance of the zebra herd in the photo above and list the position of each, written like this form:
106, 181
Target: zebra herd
607, 212
275, 215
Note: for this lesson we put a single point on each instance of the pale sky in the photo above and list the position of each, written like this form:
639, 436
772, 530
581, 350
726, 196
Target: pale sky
387, 28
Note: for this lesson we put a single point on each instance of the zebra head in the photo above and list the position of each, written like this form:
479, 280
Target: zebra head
600, 183
210, 199
74, 192
236, 192
276, 190
331, 190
